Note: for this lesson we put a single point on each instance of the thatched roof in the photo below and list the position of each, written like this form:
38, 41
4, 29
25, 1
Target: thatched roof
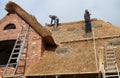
12, 7
76, 53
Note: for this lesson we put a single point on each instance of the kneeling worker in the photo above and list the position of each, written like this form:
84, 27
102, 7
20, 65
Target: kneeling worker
55, 19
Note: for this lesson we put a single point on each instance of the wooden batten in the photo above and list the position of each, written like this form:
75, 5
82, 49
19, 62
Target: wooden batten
12, 7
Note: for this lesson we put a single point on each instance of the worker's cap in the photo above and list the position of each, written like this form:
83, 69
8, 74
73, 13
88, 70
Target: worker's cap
50, 16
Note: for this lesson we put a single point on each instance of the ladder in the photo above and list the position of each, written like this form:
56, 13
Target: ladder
110, 64
16, 53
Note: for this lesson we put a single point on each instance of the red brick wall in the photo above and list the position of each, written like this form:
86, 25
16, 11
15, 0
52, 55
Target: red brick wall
34, 40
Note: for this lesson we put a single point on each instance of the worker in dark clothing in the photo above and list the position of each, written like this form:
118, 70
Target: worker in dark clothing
87, 22
55, 19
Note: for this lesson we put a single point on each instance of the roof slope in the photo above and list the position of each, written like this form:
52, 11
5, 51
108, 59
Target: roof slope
76, 53
75, 31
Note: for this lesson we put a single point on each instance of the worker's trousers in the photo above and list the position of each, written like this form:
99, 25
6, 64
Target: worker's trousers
56, 22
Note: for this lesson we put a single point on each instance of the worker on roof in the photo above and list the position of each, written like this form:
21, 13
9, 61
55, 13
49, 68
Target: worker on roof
87, 22
55, 19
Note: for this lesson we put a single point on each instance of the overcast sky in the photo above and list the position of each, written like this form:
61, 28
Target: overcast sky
69, 10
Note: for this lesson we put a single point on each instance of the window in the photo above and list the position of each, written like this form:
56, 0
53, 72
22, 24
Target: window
9, 26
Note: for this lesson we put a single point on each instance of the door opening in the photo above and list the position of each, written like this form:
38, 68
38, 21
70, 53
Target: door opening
5, 51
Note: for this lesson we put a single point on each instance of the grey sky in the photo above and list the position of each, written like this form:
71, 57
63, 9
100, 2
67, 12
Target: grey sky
69, 10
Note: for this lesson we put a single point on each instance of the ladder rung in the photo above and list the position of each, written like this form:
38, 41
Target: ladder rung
18, 44
9, 75
10, 68
22, 36
110, 56
14, 57
109, 49
111, 67
110, 62
16, 48
12, 63
15, 53
112, 75
110, 59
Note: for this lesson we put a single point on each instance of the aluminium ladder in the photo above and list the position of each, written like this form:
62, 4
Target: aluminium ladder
110, 66
15, 56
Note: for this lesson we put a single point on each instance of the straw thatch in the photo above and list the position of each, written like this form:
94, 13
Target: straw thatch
76, 51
